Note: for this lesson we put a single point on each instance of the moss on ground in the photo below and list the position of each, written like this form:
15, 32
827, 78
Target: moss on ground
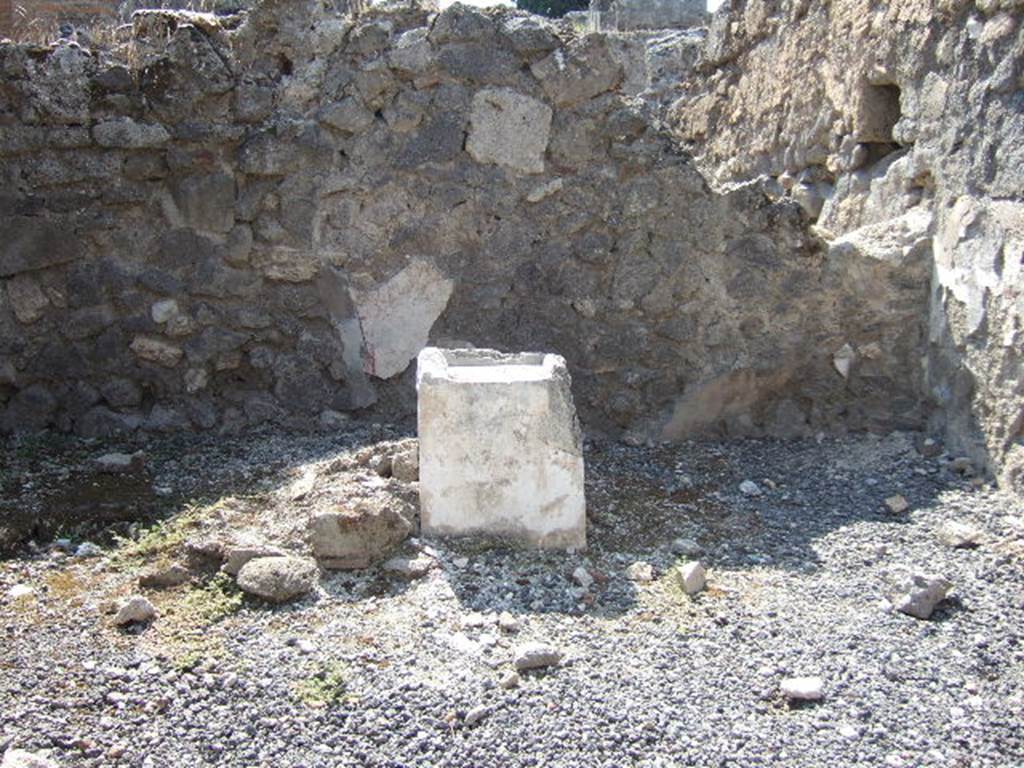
327, 687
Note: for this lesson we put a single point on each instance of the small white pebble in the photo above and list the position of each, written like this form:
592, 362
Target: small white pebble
18, 591
750, 488
691, 577
476, 714
510, 681
803, 688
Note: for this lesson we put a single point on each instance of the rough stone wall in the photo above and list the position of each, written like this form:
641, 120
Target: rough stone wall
872, 115
264, 218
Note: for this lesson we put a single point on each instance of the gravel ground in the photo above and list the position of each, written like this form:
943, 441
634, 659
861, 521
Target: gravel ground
376, 670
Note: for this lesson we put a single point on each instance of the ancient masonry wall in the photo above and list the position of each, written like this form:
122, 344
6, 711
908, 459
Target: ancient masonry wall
264, 219
893, 118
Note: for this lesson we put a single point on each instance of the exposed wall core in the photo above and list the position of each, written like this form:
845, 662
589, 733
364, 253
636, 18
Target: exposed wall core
907, 118
263, 218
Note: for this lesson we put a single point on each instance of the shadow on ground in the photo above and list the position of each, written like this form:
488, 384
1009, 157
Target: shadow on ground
641, 501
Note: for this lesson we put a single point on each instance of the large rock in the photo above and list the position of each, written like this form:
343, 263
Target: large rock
405, 464
278, 579
31, 409
26, 297
590, 69
157, 351
509, 129
29, 243
960, 535
690, 577
207, 201
500, 448
125, 133
357, 537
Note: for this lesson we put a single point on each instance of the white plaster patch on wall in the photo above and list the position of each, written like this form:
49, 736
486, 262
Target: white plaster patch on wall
397, 315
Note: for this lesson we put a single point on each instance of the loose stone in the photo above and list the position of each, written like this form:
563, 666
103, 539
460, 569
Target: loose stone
88, 549
897, 504
960, 535
409, 566
476, 714
19, 591
582, 577
641, 572
691, 577
117, 463
803, 688
510, 681
750, 488
686, 547
278, 579
20, 758
136, 609
535, 655
926, 591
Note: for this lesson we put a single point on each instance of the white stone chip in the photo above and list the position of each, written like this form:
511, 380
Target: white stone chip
750, 488
843, 359
163, 310
922, 595
19, 591
508, 622
803, 688
691, 577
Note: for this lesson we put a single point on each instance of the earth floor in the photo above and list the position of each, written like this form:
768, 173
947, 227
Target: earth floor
378, 670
